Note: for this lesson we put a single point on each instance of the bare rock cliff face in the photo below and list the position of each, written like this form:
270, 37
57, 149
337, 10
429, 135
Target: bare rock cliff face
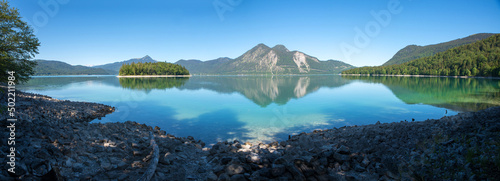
300, 60
262, 59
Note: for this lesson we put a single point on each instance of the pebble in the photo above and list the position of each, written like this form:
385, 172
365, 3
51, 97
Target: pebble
371, 152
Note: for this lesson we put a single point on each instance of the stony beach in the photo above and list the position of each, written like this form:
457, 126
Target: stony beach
55, 141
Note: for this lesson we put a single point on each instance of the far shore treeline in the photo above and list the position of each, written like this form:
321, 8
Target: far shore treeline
481, 58
150, 68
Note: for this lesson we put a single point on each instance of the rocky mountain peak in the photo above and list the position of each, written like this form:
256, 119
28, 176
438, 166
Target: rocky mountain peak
261, 45
255, 52
280, 48
262, 59
147, 57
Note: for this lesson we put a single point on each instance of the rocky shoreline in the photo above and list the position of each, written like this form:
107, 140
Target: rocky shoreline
55, 141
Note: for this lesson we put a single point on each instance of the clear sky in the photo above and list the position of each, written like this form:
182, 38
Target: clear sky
94, 32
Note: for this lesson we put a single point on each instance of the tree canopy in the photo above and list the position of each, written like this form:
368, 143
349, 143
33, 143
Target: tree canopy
149, 83
18, 45
481, 58
412, 52
149, 68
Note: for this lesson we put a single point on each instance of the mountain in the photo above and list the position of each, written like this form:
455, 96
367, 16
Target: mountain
52, 67
481, 58
113, 68
412, 52
262, 59
207, 67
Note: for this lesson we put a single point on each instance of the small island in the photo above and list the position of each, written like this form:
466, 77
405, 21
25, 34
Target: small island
150, 69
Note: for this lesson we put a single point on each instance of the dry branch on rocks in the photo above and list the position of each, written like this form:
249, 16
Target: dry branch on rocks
61, 142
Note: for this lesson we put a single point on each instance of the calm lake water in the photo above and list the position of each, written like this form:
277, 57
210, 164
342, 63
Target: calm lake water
260, 108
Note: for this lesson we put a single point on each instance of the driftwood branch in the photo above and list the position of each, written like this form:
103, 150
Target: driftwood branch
150, 171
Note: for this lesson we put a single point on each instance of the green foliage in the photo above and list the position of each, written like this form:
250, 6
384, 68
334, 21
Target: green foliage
481, 58
453, 93
18, 45
148, 68
114, 68
45, 67
150, 83
412, 52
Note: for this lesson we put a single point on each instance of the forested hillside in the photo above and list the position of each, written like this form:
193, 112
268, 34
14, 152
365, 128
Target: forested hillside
412, 52
51, 67
481, 58
114, 67
148, 68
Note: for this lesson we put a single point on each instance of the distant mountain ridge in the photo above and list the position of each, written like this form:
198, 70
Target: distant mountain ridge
207, 67
114, 68
412, 52
262, 59
52, 67
481, 58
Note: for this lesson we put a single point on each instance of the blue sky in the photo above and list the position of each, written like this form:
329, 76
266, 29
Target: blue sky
94, 32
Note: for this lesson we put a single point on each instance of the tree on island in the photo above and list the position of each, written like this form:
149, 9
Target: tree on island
149, 68
18, 45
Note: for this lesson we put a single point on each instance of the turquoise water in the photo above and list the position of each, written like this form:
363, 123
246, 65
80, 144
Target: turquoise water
260, 108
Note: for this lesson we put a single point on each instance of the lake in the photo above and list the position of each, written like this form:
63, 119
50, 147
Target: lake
269, 108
